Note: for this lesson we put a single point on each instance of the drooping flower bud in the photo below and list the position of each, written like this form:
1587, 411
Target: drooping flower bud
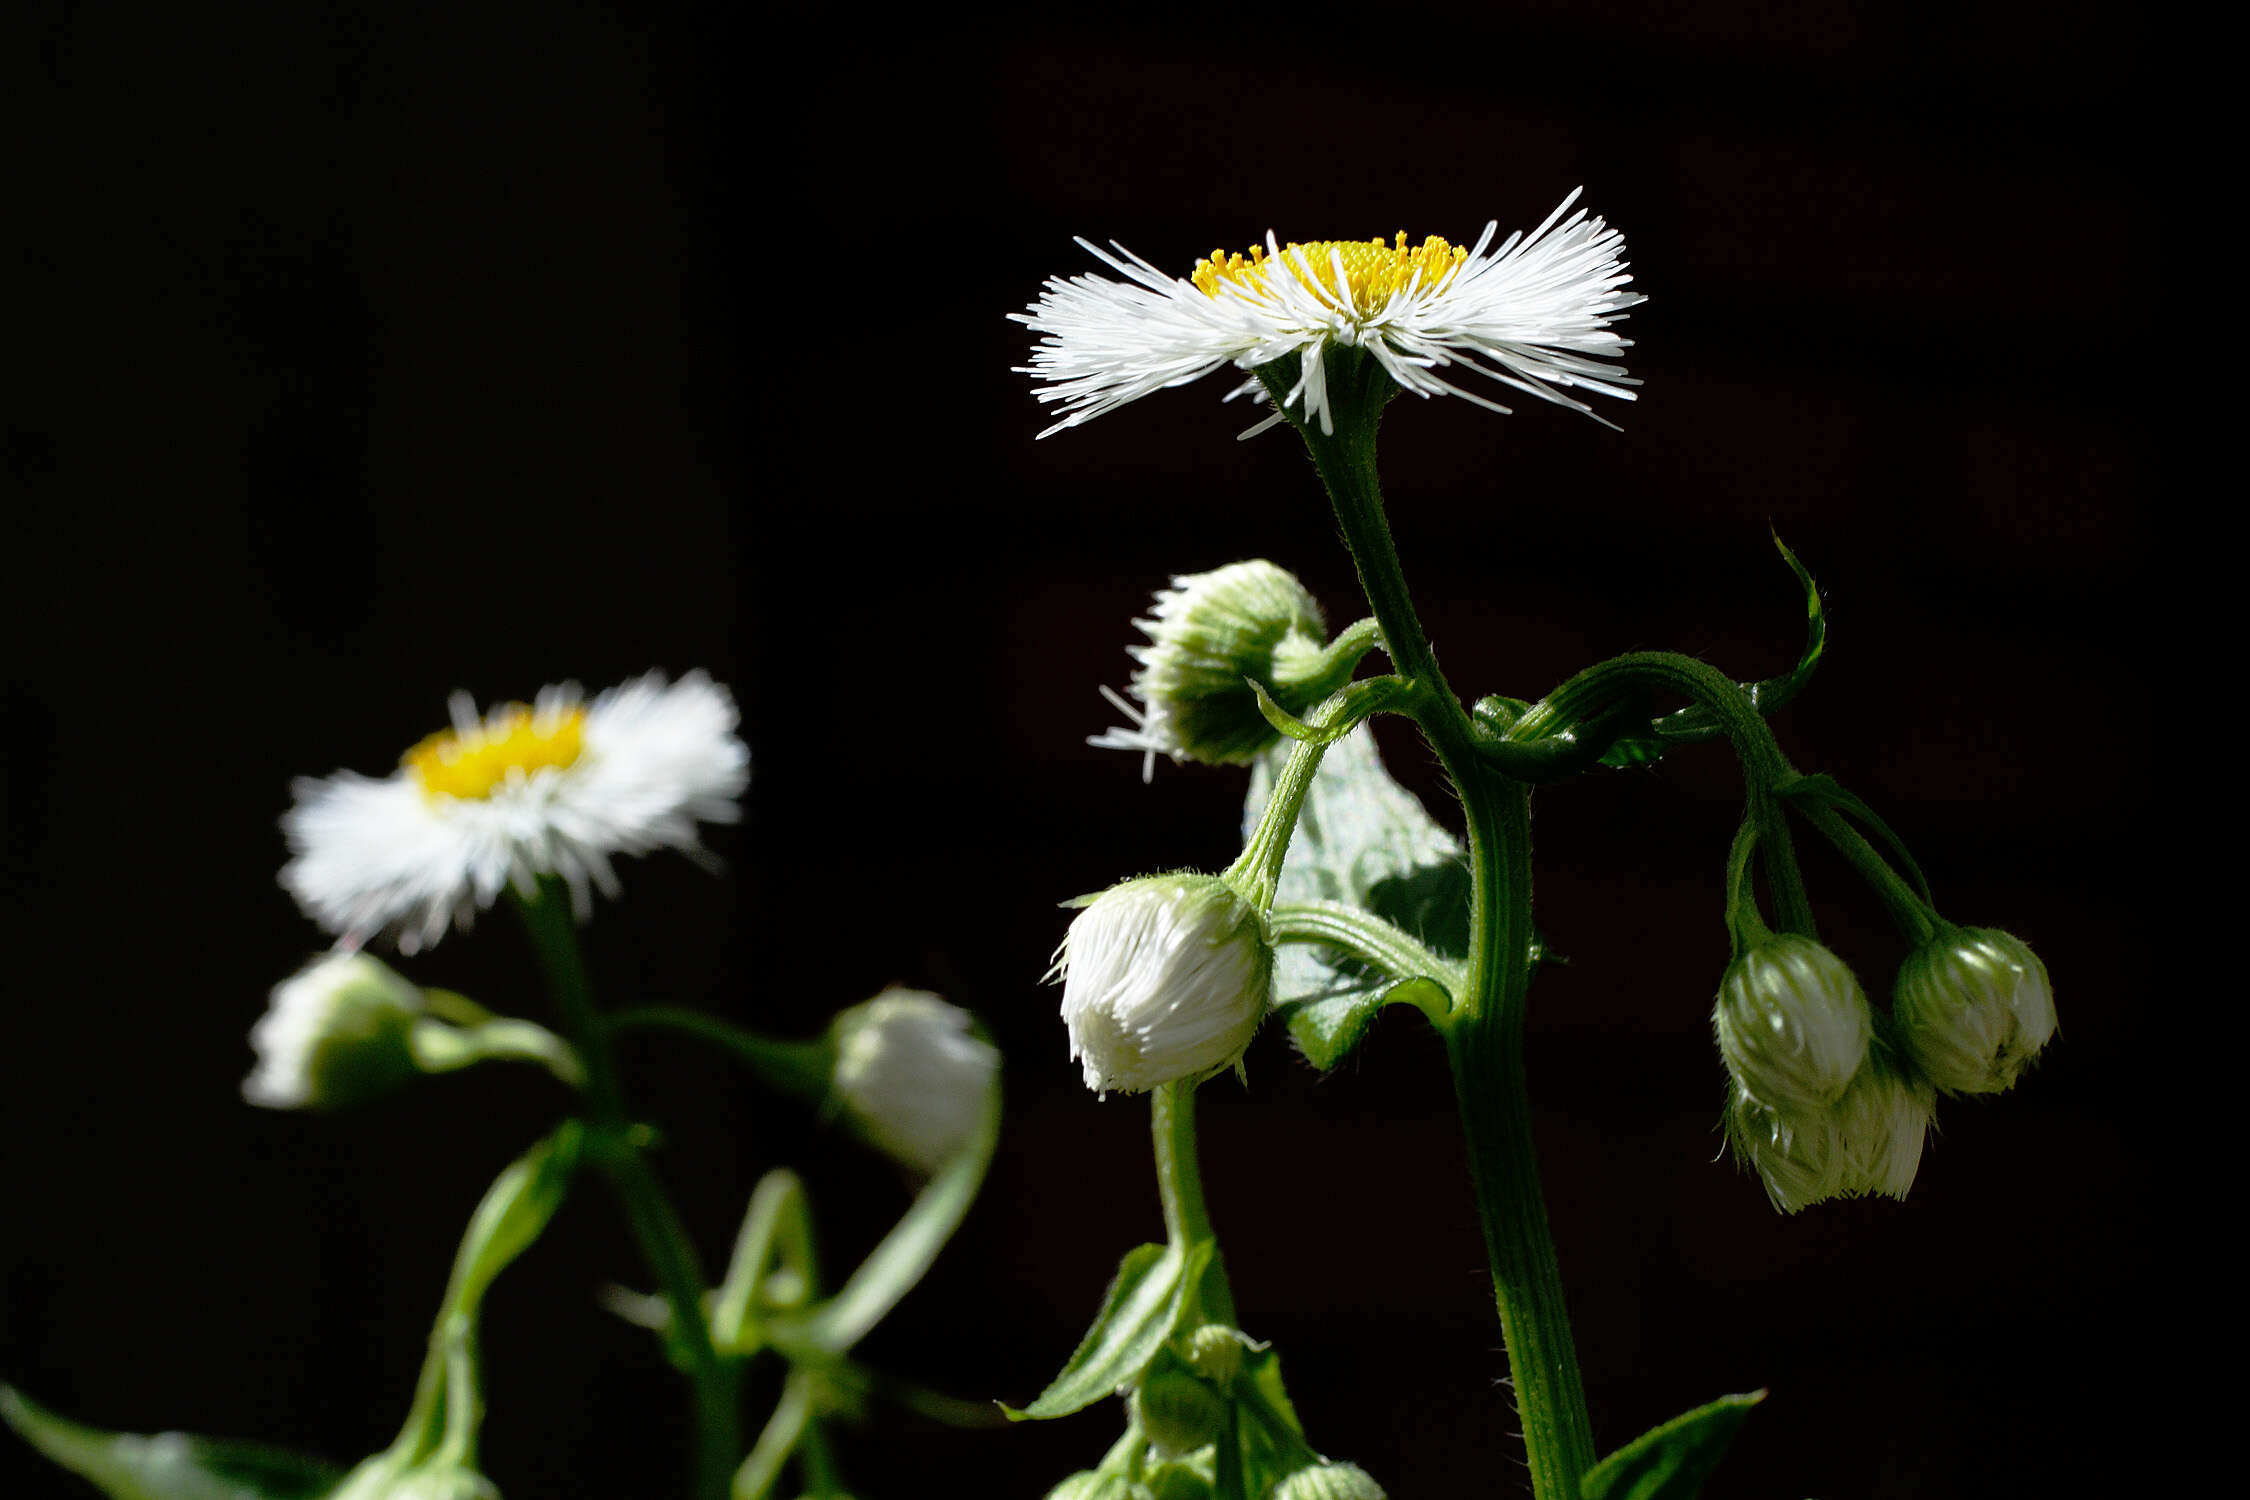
913, 1074
1164, 978
1207, 633
1329, 1481
1793, 1023
1973, 1009
1881, 1122
334, 1033
1797, 1154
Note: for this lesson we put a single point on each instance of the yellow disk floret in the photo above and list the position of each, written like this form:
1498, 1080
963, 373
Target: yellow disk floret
512, 738
1372, 269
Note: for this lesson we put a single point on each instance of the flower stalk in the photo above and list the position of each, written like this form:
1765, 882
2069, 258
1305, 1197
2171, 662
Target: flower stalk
649, 1213
1484, 1030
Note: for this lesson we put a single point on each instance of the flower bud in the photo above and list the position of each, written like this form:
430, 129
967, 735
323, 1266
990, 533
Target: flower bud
1881, 1123
1797, 1154
1973, 1009
1208, 632
1087, 1484
334, 1033
1329, 1481
1793, 1023
1178, 1413
1214, 1351
388, 1477
913, 1074
1164, 978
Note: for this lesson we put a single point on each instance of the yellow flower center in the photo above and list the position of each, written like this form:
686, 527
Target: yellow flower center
512, 738
1372, 269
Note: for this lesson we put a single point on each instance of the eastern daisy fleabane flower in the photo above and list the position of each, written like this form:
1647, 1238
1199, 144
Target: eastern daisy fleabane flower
1974, 1008
913, 1074
1533, 313
335, 1032
1792, 1022
559, 787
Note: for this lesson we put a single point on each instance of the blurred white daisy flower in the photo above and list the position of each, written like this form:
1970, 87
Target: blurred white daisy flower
556, 788
1533, 313
914, 1074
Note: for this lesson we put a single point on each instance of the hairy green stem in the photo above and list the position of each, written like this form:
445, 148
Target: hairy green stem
1484, 1033
654, 1222
1179, 1184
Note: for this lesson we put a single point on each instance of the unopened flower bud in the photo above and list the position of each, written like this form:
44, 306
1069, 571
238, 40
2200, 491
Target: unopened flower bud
385, 1477
1207, 633
1214, 1351
1087, 1484
913, 1074
1881, 1123
1973, 1009
334, 1033
1164, 978
1329, 1481
1797, 1154
1793, 1023
1177, 1411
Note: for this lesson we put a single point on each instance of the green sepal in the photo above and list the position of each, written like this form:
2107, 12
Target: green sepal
1326, 1029
1670, 1462
167, 1465
1364, 841
1144, 1306
1273, 1441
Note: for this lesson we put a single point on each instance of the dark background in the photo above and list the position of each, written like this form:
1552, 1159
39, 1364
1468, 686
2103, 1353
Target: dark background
355, 358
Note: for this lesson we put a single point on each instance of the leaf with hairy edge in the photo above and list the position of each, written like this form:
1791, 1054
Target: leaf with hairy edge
1363, 840
1672, 1461
167, 1465
1137, 1316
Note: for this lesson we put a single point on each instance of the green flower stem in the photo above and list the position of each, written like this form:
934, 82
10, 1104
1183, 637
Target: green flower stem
654, 1222
1912, 914
1179, 1184
1484, 1034
1258, 868
799, 1069
792, 1414
1764, 767
1361, 935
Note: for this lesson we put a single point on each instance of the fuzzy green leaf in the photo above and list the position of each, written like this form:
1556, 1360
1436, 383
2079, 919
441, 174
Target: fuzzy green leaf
1672, 1461
1325, 1030
1363, 840
167, 1465
1137, 1316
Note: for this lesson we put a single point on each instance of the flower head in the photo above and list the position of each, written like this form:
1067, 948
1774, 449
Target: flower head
1974, 1009
1868, 1141
558, 788
1206, 634
1329, 1481
1793, 1023
336, 1032
1533, 313
913, 1074
1164, 978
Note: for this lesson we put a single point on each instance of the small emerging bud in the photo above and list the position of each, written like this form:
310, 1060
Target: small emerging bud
334, 1033
1329, 1481
913, 1074
1164, 978
1208, 632
1793, 1023
1973, 1010
1087, 1484
383, 1478
1214, 1351
1178, 1412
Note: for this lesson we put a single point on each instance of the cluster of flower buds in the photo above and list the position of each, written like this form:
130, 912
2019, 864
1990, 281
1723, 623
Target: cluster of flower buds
1210, 636
1164, 978
1827, 1099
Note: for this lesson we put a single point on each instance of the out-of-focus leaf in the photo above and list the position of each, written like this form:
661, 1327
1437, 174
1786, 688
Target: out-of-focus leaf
1363, 840
1672, 1461
1137, 1316
167, 1465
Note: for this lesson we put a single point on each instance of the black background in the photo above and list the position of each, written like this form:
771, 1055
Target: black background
358, 357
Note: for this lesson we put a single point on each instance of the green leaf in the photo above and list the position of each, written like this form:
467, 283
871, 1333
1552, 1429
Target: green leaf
1670, 1462
167, 1465
1363, 840
1137, 1316
1327, 1029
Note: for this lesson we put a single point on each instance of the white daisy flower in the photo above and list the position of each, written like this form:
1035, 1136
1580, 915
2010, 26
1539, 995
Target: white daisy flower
556, 788
1533, 313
